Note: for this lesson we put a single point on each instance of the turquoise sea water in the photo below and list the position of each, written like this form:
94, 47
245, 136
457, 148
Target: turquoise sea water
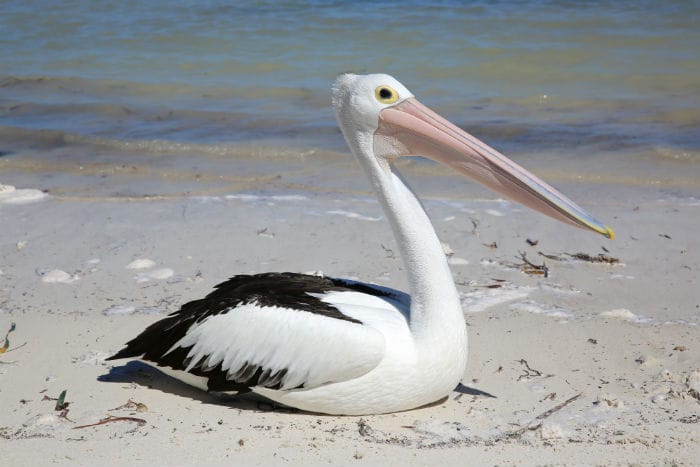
619, 78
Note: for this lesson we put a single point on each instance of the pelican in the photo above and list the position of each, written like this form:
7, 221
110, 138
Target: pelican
338, 346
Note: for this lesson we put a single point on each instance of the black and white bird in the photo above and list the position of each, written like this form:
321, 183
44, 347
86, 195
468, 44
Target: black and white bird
338, 346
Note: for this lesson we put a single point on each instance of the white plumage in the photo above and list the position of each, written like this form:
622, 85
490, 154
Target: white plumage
322, 350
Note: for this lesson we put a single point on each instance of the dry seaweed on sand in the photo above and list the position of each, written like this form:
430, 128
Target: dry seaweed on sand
61, 403
132, 405
528, 267
6, 345
599, 258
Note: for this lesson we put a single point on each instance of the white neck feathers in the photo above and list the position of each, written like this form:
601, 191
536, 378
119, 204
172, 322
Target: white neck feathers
434, 298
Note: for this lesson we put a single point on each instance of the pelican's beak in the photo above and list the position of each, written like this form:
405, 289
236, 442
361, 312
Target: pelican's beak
412, 128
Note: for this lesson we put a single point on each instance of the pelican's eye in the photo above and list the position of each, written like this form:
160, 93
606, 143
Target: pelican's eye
386, 95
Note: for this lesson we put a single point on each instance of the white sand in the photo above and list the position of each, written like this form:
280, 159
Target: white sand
535, 342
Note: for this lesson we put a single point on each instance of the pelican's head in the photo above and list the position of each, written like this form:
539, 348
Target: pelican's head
359, 99
381, 119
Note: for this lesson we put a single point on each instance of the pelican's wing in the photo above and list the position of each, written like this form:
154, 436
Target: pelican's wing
280, 331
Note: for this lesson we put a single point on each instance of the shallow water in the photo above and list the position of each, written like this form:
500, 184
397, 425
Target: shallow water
588, 88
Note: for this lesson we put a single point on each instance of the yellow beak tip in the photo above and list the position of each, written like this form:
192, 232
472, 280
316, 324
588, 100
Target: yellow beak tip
610, 233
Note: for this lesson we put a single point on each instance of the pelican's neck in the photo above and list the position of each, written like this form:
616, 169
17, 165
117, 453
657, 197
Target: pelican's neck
435, 302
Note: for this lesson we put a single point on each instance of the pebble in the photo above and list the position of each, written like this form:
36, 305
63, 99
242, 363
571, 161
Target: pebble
57, 276
610, 400
666, 375
141, 263
693, 384
550, 430
157, 274
455, 261
447, 249
119, 310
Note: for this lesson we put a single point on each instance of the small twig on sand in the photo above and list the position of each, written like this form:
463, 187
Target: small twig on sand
498, 284
475, 225
111, 418
552, 257
532, 426
558, 407
64, 414
389, 253
528, 372
15, 348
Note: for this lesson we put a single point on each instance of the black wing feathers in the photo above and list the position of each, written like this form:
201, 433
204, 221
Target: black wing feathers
287, 290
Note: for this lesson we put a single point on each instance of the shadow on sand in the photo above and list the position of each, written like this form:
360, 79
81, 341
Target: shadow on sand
136, 372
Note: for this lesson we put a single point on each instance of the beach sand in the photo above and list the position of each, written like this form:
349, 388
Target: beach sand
595, 364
